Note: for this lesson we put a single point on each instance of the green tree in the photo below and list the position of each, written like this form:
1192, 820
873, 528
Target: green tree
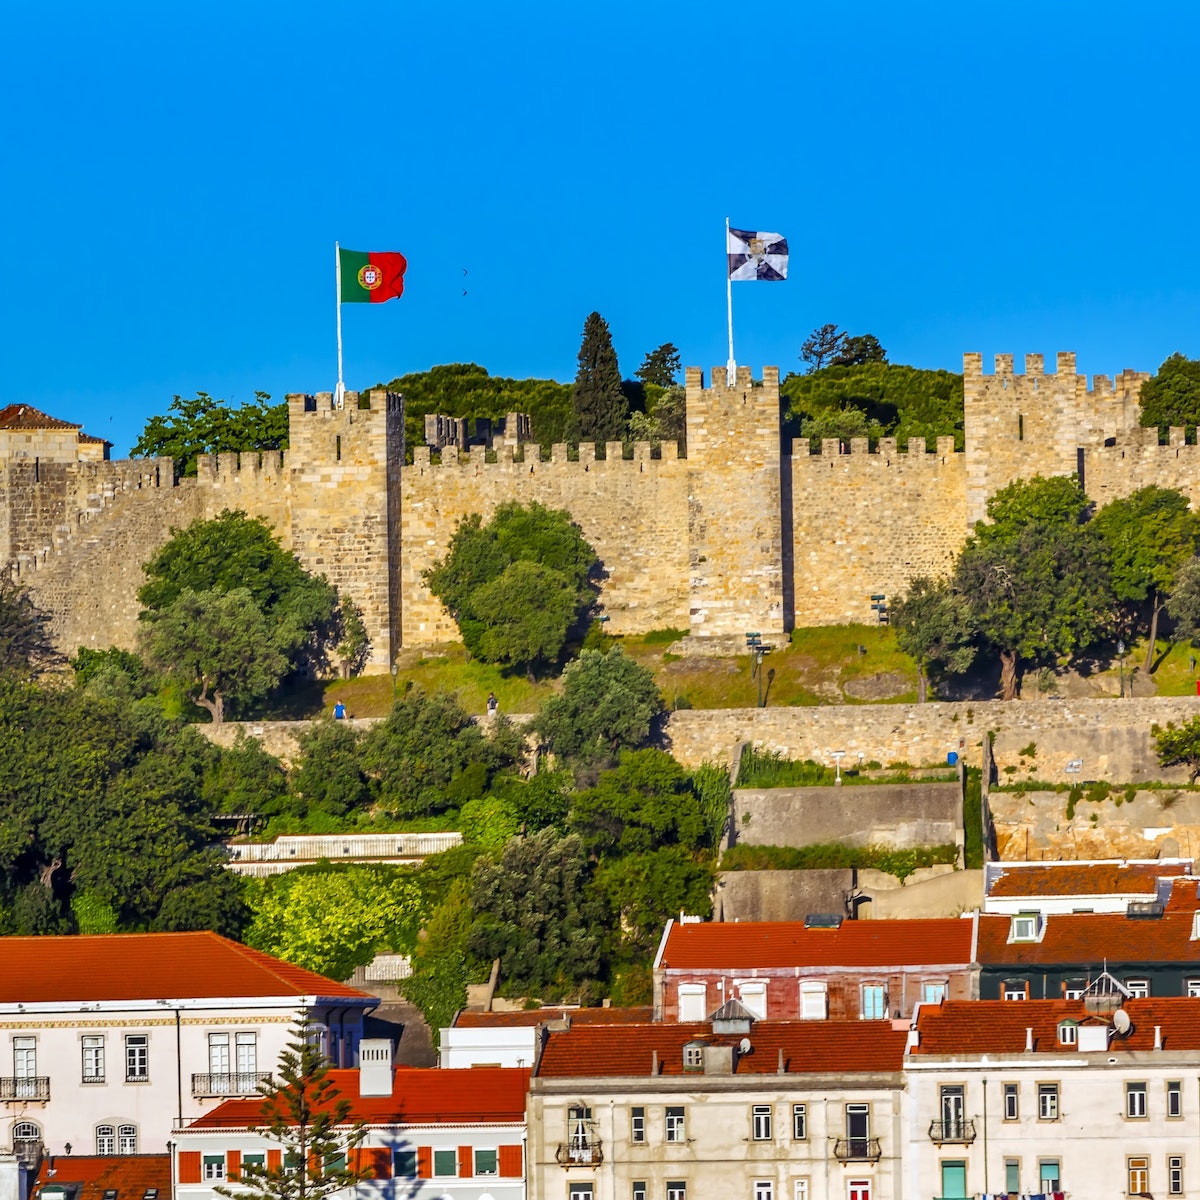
933, 625
245, 779
1036, 578
608, 704
1150, 535
821, 346
353, 642
660, 366
598, 406
646, 888
1179, 744
328, 776
442, 963
842, 423
303, 1112
536, 912
1184, 604
1172, 396
205, 425
26, 642
488, 822
517, 585
331, 921
854, 351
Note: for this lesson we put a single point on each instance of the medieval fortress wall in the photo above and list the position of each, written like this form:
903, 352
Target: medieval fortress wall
747, 533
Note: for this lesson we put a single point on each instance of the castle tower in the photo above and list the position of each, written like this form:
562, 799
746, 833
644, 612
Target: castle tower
736, 536
344, 468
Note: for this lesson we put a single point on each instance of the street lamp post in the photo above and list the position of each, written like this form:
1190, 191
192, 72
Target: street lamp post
758, 652
395, 668
1073, 768
1121, 666
837, 756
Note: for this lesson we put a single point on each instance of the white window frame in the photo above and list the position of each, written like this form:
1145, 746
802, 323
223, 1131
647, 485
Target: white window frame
800, 1190
858, 1189
137, 1050
212, 1166
1011, 1091
1074, 992
1137, 1107
1174, 1098
581, 1191
761, 1123
814, 1000
1008, 990
1174, 1174
1193, 988
92, 1052
637, 1124
1138, 988
1044, 1179
1068, 1033
675, 1123
218, 1054
877, 991
693, 1056
753, 994
764, 1189
25, 1131
1024, 927
127, 1139
800, 1122
689, 994
677, 1189
639, 1190
934, 991
1048, 1102
245, 1052
106, 1141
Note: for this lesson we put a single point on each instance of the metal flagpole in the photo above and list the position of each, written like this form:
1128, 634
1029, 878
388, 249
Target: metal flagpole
340, 393
731, 366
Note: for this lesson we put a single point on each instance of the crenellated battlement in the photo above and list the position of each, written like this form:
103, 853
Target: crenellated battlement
607, 455
916, 450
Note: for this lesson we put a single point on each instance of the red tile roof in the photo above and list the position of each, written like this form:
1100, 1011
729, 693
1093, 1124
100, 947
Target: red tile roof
998, 1026
149, 966
25, 416
808, 1046
738, 946
1083, 879
1090, 938
539, 1016
420, 1096
129, 1175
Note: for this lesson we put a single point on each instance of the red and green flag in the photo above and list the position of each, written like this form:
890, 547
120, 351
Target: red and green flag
370, 277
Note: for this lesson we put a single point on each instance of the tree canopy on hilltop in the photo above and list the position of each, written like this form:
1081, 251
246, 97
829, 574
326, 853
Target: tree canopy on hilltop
206, 425
1172, 396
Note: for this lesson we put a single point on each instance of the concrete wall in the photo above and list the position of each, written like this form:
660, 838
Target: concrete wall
1111, 736
897, 815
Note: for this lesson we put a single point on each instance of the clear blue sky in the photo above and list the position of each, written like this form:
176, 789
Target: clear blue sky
951, 176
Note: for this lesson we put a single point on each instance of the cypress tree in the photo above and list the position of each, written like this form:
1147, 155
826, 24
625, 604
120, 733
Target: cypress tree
599, 407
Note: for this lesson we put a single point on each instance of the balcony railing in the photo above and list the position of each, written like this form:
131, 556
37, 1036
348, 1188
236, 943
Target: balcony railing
31, 1087
856, 1149
959, 1131
579, 1153
229, 1083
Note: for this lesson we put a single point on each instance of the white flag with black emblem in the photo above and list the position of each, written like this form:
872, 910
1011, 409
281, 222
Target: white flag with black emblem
756, 255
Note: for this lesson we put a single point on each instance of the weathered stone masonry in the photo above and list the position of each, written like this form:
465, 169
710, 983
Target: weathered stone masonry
747, 532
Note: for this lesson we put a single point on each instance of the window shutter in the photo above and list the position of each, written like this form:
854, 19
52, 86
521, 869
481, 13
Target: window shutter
274, 1160
233, 1164
372, 1162
425, 1162
510, 1162
466, 1164
189, 1166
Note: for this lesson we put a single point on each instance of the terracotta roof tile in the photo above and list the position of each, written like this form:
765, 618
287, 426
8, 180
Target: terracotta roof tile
149, 966
998, 1026
25, 416
1089, 938
420, 1096
1084, 879
808, 1046
129, 1175
539, 1016
743, 946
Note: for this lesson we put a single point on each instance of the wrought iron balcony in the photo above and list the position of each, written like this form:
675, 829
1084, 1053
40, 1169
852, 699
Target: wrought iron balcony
960, 1131
229, 1083
31, 1087
857, 1149
577, 1153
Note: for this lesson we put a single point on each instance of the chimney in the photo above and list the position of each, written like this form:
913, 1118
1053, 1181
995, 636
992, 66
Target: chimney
1158, 1037
375, 1067
653, 1062
1029, 1039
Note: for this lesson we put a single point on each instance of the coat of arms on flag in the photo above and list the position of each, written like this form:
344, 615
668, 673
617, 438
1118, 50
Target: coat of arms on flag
756, 255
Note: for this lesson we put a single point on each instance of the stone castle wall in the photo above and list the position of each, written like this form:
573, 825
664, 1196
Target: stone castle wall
747, 533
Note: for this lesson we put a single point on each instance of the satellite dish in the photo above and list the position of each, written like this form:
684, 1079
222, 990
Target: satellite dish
745, 1047
1121, 1022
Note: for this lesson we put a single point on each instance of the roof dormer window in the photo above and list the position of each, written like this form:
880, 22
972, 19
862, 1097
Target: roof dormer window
1196, 926
1068, 1033
1025, 927
693, 1056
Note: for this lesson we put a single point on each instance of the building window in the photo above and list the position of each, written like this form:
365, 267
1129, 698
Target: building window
93, 1059
1174, 1098
933, 991
25, 1067
639, 1190
25, 1136
858, 1189
800, 1122
813, 1005
445, 1162
486, 1162
676, 1190
106, 1139
1193, 988
801, 1190
1068, 1033
137, 1057
404, 1164
675, 1127
1139, 1174
858, 1130
754, 997
1135, 1100
580, 1191
760, 1121
580, 1134
1024, 928
1073, 989
1138, 988
1049, 1179
764, 1189
874, 1002
214, 1166
1012, 1175
1175, 1175
693, 1057
692, 1001
218, 1053
1015, 989
246, 1051
126, 1139
1047, 1101
1012, 1102
637, 1125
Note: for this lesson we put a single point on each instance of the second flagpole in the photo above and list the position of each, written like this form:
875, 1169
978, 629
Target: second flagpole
731, 366
340, 392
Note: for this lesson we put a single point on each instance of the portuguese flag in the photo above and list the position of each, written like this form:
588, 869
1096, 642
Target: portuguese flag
371, 277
